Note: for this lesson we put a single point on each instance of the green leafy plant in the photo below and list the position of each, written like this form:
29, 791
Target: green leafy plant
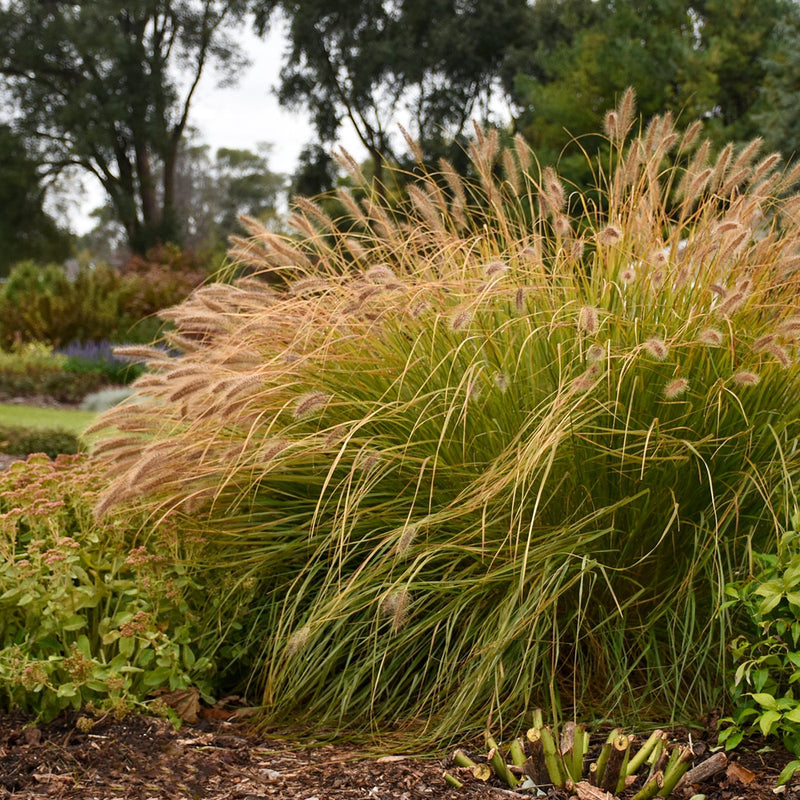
500, 449
89, 613
766, 694
98, 357
34, 368
51, 442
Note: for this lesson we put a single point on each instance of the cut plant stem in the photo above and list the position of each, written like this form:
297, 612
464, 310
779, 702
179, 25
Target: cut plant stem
644, 752
461, 759
481, 772
517, 753
676, 769
580, 752
616, 763
602, 759
453, 781
498, 763
652, 787
535, 767
657, 757
555, 766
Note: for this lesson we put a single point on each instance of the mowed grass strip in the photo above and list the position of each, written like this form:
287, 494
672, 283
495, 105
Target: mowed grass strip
68, 419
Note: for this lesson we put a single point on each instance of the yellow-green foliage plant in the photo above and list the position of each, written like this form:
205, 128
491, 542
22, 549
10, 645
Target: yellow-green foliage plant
502, 449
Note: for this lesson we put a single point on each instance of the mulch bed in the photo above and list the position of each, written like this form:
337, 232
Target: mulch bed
144, 758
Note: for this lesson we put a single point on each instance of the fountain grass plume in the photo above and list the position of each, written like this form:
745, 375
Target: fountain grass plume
496, 488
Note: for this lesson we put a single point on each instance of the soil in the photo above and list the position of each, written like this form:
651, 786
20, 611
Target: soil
144, 758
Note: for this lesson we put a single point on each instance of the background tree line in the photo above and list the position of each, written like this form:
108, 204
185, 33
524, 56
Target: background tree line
105, 88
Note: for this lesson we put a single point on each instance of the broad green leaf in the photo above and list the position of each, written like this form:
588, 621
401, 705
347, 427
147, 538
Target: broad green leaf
765, 700
788, 772
767, 720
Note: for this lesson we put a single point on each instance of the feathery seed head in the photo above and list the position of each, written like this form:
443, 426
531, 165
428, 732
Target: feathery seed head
609, 236
519, 300
660, 257
727, 225
676, 388
627, 275
406, 539
381, 273
461, 319
298, 640
745, 378
501, 381
304, 286
610, 124
576, 248
711, 337
586, 381
309, 403
718, 290
418, 309
657, 278
656, 348
780, 354
596, 353
588, 320
789, 328
395, 605
763, 342
553, 191
367, 460
270, 449
732, 303
495, 268
561, 226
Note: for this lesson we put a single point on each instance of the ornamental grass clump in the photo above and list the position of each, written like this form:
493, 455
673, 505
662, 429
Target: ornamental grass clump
499, 448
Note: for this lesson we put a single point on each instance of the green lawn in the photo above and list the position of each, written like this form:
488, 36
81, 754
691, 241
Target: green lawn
68, 419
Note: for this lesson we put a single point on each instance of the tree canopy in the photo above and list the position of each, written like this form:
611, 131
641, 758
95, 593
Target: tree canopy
707, 59
107, 85
26, 230
433, 63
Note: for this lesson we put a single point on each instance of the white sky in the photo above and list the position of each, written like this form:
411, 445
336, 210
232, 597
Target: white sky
239, 116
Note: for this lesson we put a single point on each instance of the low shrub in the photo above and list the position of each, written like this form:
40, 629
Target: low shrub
97, 303
765, 695
90, 613
34, 369
25, 441
505, 450
98, 357
42, 303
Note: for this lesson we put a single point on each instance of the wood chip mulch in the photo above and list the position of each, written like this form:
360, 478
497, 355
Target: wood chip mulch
144, 758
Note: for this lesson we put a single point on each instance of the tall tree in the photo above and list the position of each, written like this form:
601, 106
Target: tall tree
106, 85
26, 230
211, 193
374, 62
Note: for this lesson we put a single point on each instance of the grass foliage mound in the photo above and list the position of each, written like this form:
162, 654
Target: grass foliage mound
499, 446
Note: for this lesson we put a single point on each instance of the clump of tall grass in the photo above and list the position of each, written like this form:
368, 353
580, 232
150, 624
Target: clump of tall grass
502, 448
